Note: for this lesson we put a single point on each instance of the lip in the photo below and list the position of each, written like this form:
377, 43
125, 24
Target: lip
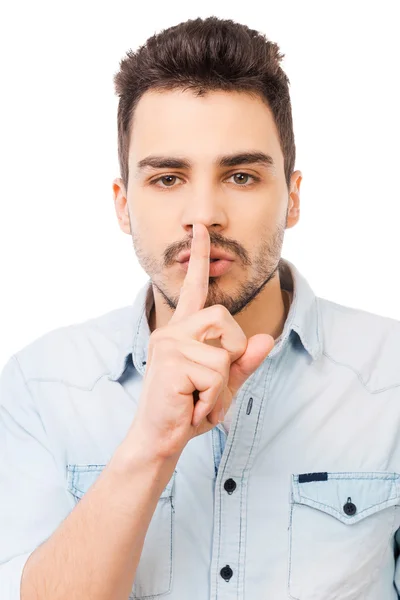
217, 268
214, 253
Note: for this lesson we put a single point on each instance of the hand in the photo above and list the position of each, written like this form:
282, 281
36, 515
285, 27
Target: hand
181, 367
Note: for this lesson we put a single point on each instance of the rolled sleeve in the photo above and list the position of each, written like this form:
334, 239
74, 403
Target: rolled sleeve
33, 495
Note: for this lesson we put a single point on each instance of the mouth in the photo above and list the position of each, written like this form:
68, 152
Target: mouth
218, 266
212, 260
215, 256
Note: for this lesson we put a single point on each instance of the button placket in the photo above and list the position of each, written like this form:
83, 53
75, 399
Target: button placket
239, 463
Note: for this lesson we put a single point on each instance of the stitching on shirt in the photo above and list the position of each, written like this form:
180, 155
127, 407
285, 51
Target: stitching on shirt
62, 381
305, 340
137, 331
266, 385
393, 529
233, 429
292, 505
304, 335
367, 475
216, 448
317, 310
25, 381
389, 387
372, 509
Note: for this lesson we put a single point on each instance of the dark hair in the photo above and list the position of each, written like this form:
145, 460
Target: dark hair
205, 55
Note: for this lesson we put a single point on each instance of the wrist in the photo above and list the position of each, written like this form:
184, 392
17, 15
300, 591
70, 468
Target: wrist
134, 455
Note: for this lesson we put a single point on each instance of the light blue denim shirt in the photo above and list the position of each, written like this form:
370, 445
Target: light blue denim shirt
301, 498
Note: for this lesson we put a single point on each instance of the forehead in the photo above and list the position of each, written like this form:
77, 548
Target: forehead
179, 122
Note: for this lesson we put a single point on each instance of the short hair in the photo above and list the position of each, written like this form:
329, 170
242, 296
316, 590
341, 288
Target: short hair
206, 55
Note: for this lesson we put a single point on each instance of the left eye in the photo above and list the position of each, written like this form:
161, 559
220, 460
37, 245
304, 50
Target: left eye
240, 181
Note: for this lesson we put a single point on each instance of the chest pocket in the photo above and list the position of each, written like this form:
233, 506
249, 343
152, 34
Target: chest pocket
341, 528
154, 572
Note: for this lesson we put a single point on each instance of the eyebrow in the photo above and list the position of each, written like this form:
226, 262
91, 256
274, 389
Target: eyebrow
227, 160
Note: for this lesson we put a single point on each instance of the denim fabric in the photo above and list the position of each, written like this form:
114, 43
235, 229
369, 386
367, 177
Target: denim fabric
300, 500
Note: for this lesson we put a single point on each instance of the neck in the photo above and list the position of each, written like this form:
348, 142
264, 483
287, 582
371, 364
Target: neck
267, 313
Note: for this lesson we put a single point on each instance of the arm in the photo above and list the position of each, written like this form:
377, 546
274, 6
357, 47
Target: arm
50, 548
94, 553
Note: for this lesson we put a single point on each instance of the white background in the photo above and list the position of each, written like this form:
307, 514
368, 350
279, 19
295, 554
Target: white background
63, 256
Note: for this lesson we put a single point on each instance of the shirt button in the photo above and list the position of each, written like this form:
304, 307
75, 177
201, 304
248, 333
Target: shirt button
226, 573
230, 485
349, 508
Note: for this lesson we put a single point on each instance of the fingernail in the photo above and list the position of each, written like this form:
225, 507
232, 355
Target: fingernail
221, 415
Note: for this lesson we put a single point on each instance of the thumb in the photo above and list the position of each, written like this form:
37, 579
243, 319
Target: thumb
258, 348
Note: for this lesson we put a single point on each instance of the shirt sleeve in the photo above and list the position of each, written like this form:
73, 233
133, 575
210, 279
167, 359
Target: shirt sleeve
33, 495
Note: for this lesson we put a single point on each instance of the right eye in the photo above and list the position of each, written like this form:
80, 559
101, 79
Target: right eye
168, 179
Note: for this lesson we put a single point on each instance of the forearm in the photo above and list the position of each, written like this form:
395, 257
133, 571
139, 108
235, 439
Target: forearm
94, 553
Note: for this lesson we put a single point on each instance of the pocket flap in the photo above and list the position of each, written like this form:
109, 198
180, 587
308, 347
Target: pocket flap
80, 477
349, 497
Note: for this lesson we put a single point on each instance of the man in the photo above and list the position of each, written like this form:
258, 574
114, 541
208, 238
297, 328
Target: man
121, 476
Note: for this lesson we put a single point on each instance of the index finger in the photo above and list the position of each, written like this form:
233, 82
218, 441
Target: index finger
194, 290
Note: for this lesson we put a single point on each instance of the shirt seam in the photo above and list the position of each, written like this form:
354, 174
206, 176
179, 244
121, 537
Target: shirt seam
359, 376
25, 382
62, 381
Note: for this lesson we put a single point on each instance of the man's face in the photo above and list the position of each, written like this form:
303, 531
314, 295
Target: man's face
244, 206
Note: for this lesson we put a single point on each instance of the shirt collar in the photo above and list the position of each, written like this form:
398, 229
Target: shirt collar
303, 318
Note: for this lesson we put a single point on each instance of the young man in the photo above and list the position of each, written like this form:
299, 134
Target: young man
230, 435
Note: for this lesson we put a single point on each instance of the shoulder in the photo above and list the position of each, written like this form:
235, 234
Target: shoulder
365, 342
76, 354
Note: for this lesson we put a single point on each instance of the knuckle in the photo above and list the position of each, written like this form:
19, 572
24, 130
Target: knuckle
224, 360
174, 387
156, 336
162, 344
219, 380
171, 363
221, 310
159, 334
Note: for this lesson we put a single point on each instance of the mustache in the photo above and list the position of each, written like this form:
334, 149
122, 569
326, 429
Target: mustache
173, 252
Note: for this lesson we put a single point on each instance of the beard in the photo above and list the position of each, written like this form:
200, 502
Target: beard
261, 269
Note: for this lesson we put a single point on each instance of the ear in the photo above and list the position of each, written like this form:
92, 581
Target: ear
293, 213
121, 205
